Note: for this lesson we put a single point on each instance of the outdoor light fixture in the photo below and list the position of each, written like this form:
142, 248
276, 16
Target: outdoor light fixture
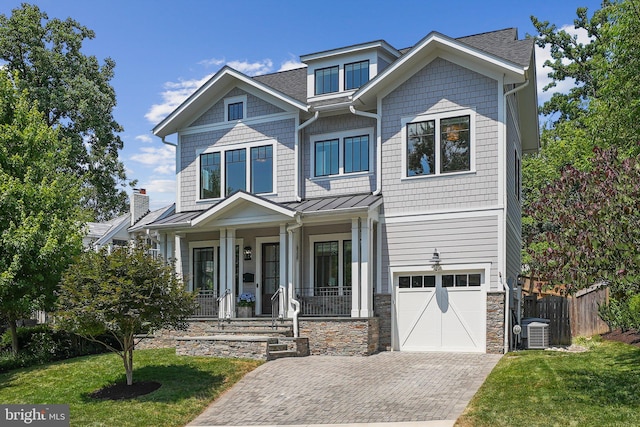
435, 260
247, 253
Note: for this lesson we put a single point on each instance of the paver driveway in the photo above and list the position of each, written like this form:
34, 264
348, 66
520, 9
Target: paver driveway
386, 387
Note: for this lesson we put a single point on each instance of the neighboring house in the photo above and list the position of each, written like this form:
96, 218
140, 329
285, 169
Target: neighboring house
121, 230
375, 185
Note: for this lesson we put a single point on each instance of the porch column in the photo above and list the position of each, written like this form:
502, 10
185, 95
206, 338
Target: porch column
366, 262
231, 271
283, 271
178, 254
223, 269
355, 267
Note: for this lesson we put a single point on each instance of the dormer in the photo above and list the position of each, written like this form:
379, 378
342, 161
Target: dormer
339, 72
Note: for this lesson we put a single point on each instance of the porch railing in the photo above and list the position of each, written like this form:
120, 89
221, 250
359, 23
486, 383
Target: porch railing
325, 301
207, 304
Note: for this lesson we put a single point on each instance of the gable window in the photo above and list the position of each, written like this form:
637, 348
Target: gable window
326, 154
235, 108
341, 153
226, 171
210, 176
326, 80
235, 111
356, 74
437, 146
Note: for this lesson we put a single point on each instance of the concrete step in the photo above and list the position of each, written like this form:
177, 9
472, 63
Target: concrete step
279, 354
278, 347
234, 330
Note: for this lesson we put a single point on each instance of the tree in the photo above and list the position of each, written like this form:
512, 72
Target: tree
121, 293
588, 226
74, 94
40, 215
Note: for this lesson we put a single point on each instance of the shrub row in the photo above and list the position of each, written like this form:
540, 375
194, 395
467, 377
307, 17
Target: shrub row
41, 344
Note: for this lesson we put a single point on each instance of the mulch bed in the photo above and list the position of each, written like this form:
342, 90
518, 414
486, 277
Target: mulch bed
629, 337
123, 391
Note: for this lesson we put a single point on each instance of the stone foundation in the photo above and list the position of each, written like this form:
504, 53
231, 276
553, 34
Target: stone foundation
225, 346
382, 308
495, 322
341, 336
166, 338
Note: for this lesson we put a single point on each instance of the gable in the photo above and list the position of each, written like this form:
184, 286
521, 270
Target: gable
256, 107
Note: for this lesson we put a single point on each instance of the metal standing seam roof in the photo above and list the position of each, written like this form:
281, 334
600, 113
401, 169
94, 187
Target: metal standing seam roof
318, 205
152, 216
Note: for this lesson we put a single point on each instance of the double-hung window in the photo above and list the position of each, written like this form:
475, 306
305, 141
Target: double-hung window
341, 154
226, 171
439, 145
327, 80
331, 273
356, 74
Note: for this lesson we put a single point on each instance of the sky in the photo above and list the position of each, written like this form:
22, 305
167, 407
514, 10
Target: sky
164, 50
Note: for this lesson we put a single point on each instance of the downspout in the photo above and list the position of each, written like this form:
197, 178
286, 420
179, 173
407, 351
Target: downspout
296, 155
378, 145
164, 141
295, 303
507, 299
505, 286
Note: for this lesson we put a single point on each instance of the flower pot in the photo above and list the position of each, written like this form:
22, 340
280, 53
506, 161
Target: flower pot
245, 311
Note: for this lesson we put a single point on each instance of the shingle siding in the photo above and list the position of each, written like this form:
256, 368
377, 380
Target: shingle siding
282, 131
441, 86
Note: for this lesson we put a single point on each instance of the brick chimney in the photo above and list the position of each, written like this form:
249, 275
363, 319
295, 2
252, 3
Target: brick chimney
139, 205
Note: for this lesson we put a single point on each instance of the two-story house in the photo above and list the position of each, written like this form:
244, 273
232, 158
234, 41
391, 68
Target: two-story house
375, 191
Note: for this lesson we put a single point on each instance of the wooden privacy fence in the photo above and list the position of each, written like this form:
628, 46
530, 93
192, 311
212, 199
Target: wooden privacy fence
569, 316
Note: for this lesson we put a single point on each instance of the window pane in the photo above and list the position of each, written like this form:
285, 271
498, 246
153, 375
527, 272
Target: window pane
236, 175
346, 260
474, 280
416, 281
262, 169
455, 144
210, 176
235, 111
356, 154
421, 148
356, 74
429, 281
326, 264
203, 269
447, 280
404, 281
326, 80
461, 280
326, 153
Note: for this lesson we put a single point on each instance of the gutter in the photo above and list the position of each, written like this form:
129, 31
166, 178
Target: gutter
378, 145
164, 141
295, 303
297, 156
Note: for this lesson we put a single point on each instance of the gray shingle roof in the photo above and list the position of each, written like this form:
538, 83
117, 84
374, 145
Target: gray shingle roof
501, 43
153, 216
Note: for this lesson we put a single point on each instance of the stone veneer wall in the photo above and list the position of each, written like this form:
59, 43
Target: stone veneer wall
382, 309
495, 322
167, 337
341, 336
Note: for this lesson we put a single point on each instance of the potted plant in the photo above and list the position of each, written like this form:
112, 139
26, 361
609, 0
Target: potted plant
246, 302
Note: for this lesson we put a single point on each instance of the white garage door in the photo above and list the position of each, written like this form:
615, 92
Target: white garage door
440, 312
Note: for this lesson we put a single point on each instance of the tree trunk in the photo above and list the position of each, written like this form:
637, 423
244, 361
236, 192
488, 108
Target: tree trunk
127, 357
14, 335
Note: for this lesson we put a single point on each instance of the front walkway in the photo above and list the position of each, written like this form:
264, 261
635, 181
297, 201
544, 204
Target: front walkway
389, 387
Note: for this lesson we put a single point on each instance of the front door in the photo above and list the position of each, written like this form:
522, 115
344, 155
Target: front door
270, 274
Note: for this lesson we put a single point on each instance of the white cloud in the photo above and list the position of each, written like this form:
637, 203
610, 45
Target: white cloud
144, 138
542, 55
252, 68
162, 159
160, 186
213, 62
173, 95
291, 64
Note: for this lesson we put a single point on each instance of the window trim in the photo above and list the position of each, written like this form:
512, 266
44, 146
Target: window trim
235, 100
344, 83
223, 168
215, 244
319, 238
437, 117
340, 136
315, 80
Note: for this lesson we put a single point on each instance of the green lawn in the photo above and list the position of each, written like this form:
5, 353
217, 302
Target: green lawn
600, 387
189, 384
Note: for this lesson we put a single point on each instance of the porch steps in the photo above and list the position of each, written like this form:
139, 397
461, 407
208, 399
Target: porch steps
255, 338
